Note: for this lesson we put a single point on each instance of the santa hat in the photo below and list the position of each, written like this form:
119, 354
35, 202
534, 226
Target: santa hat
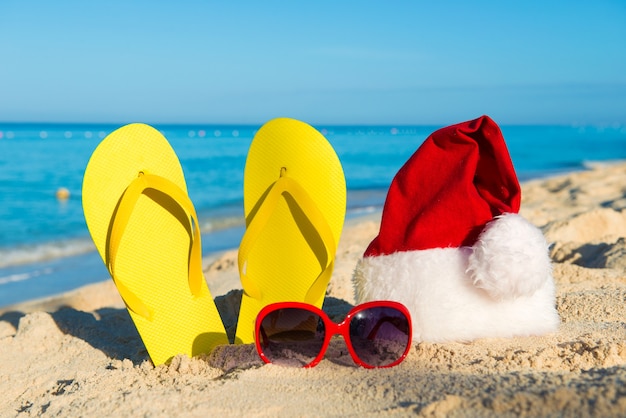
452, 246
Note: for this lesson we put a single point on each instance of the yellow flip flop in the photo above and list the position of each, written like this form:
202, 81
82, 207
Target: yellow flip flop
295, 205
146, 230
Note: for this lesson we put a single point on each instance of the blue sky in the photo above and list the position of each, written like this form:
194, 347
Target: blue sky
330, 62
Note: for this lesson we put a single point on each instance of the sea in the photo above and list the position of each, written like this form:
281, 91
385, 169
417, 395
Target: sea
45, 247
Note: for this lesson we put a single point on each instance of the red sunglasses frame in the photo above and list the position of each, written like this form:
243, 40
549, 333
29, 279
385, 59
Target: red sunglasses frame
333, 328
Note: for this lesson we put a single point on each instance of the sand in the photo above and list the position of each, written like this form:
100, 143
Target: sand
78, 354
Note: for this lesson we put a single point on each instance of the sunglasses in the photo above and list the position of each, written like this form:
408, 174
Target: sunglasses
378, 334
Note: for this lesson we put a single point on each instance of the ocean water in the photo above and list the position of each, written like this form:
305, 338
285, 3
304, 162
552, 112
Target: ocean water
45, 247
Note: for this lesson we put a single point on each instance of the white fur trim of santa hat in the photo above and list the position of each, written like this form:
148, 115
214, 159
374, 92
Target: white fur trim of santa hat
502, 286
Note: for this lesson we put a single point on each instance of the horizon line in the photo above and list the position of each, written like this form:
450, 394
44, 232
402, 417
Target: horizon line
615, 124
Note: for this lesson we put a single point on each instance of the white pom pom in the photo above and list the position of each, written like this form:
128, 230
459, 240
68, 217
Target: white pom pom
510, 258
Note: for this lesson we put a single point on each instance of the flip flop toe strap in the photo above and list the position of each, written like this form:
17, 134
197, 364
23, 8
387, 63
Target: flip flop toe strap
120, 221
288, 186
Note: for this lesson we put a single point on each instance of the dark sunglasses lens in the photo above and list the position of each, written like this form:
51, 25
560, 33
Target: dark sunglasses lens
379, 335
292, 336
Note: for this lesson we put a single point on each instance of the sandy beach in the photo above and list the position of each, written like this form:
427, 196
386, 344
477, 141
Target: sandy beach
78, 354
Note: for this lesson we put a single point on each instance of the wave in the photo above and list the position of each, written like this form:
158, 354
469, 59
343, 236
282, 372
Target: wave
219, 224
41, 252
368, 202
20, 277
592, 164
35, 253
363, 210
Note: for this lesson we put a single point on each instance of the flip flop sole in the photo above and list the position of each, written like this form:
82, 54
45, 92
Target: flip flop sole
152, 259
285, 260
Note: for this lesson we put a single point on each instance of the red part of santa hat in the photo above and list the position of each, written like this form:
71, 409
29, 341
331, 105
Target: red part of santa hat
459, 179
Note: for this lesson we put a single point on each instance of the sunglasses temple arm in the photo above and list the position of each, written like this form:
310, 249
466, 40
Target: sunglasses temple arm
263, 336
